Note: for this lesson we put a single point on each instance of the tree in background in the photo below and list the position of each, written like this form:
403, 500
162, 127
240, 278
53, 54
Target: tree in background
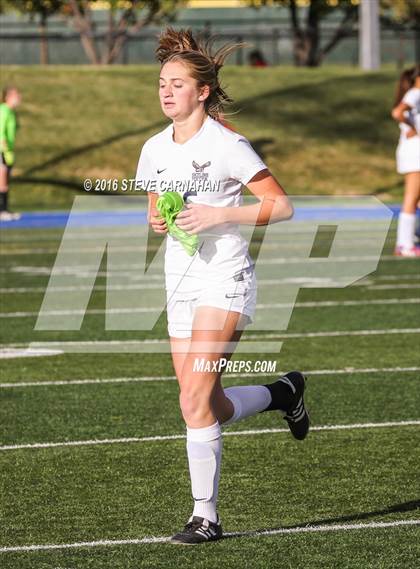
405, 14
130, 16
307, 48
124, 17
41, 10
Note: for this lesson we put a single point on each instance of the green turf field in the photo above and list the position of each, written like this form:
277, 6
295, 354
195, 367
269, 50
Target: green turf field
321, 131
339, 500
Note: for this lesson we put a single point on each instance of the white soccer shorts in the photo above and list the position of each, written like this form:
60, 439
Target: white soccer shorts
408, 155
231, 295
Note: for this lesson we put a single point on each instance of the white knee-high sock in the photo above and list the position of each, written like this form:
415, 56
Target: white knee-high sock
406, 229
204, 448
247, 400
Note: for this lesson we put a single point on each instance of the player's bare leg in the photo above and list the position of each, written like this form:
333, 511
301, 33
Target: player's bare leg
407, 218
205, 405
4, 189
204, 438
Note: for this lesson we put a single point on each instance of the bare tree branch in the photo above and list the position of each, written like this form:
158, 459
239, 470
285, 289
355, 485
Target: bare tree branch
84, 25
117, 32
341, 32
124, 26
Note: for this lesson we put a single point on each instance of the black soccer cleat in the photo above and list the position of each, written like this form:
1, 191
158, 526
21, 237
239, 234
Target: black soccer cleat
198, 530
287, 396
297, 416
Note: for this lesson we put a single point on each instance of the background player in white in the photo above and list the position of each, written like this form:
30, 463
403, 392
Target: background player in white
407, 112
212, 295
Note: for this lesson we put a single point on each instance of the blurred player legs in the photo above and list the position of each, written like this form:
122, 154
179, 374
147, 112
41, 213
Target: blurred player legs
8, 127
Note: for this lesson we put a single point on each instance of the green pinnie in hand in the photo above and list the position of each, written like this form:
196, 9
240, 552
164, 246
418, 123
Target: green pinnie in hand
169, 205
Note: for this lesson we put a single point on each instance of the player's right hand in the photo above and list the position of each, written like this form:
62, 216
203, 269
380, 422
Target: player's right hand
157, 222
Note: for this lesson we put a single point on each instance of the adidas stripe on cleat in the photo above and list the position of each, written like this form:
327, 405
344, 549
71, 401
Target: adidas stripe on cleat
287, 396
198, 530
297, 416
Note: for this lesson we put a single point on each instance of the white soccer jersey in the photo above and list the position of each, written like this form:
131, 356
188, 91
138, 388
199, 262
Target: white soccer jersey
412, 98
408, 150
210, 168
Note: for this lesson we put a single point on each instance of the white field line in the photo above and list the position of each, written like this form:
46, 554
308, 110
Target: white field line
369, 280
393, 287
42, 269
85, 249
252, 533
133, 248
80, 251
304, 281
99, 288
316, 283
139, 276
250, 432
333, 334
28, 353
285, 336
131, 310
83, 272
83, 233
124, 248
153, 378
414, 276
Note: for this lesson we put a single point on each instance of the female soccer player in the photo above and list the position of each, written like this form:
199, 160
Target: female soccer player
8, 126
211, 295
407, 112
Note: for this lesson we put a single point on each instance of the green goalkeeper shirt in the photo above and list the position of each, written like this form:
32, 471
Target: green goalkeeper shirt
8, 127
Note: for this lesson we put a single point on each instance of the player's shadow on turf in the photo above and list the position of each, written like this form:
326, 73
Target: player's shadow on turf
362, 117
93, 146
60, 182
322, 125
395, 509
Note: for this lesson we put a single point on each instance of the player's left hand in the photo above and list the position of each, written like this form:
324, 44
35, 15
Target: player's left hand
198, 217
412, 132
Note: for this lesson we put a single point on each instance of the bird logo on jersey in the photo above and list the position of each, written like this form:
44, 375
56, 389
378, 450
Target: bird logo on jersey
200, 169
199, 174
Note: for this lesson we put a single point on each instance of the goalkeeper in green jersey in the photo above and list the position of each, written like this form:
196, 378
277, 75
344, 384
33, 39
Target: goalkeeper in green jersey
8, 127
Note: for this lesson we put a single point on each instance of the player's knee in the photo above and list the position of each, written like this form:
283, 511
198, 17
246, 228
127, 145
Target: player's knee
194, 404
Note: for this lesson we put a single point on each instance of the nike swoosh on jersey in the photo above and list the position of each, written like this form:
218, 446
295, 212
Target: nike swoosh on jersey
160, 171
236, 295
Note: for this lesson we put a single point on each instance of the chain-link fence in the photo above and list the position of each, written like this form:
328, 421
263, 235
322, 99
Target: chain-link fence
20, 42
